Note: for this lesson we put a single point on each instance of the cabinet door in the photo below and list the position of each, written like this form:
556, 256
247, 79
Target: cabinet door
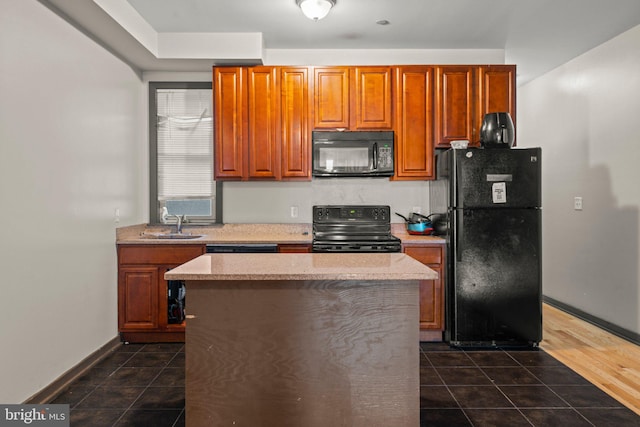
414, 123
372, 98
431, 291
294, 122
229, 122
496, 93
262, 112
454, 105
138, 298
331, 97
431, 301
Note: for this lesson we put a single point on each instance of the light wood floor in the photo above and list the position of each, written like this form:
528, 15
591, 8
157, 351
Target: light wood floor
609, 362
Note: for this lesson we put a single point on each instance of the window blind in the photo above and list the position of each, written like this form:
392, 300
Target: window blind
184, 144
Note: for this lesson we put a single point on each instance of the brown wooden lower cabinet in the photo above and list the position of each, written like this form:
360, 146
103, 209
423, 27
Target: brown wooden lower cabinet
293, 248
142, 291
431, 291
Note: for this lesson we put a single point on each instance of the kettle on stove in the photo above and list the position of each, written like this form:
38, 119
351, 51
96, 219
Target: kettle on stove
497, 131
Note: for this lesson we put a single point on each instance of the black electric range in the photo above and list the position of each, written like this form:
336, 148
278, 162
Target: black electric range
353, 228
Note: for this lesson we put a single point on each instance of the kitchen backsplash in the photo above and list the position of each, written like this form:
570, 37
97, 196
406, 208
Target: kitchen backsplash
272, 202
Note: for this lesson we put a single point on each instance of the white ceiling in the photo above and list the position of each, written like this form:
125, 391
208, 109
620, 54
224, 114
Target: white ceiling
536, 35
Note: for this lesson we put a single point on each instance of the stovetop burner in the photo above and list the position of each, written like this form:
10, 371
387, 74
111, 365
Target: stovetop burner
349, 228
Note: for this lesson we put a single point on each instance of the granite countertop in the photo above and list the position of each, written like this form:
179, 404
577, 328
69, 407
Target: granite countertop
247, 233
312, 266
400, 231
227, 233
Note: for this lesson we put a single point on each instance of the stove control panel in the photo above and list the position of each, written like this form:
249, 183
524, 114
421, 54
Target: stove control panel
351, 214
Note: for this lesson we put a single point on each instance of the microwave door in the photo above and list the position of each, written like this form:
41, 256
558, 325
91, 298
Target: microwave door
352, 153
334, 159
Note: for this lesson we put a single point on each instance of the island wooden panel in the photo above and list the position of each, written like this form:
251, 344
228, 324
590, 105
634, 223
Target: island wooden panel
302, 353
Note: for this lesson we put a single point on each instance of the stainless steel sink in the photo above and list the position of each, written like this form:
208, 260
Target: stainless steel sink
172, 236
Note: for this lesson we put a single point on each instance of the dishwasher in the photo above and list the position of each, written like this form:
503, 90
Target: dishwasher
247, 248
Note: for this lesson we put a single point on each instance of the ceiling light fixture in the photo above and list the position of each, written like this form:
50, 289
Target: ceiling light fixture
315, 9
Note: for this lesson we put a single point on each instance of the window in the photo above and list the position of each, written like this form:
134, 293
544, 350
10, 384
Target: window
181, 153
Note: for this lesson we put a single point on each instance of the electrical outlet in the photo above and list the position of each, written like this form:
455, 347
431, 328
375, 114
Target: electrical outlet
116, 215
577, 203
294, 212
416, 209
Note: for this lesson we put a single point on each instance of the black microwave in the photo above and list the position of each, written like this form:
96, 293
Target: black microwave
352, 154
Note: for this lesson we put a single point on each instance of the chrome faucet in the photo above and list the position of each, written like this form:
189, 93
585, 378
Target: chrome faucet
180, 219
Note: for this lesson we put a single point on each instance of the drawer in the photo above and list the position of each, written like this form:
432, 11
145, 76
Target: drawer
425, 254
158, 254
294, 248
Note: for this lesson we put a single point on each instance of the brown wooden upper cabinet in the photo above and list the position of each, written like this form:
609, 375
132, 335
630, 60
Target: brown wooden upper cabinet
497, 92
245, 104
264, 115
454, 104
331, 97
464, 94
372, 88
413, 98
294, 121
261, 123
352, 98
229, 100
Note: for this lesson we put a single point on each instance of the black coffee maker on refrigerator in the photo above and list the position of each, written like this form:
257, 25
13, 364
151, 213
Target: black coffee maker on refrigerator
492, 200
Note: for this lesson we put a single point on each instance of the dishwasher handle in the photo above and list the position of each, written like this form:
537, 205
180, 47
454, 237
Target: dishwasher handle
217, 248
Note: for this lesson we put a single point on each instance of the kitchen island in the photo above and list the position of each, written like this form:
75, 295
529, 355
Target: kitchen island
302, 339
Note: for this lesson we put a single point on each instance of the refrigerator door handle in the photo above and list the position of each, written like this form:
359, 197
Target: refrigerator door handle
459, 233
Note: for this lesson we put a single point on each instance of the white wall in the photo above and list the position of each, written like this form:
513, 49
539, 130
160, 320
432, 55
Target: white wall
585, 117
70, 154
270, 202
382, 56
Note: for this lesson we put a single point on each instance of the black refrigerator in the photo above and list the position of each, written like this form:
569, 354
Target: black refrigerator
491, 199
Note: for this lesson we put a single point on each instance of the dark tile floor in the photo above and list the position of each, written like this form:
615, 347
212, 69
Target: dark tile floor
143, 385
137, 385
510, 388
